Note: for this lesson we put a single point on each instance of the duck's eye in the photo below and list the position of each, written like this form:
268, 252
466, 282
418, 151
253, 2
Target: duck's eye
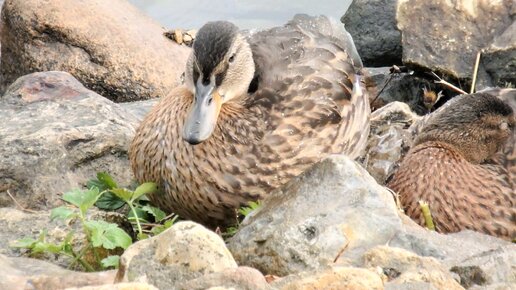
231, 58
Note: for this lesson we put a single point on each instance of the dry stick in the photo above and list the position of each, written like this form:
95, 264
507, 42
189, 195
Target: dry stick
475, 73
340, 252
18, 204
384, 86
447, 84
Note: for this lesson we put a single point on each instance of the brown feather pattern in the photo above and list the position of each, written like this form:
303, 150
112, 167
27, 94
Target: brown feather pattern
302, 111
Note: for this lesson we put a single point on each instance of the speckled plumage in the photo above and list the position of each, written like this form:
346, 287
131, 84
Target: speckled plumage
461, 165
300, 109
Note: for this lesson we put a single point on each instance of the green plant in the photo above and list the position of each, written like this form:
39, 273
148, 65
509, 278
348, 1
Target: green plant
101, 237
147, 219
98, 234
241, 213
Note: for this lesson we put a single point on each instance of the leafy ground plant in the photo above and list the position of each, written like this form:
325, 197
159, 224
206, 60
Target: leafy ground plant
242, 213
101, 237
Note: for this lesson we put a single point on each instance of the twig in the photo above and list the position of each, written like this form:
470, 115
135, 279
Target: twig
475, 73
340, 252
447, 84
427, 215
383, 88
18, 204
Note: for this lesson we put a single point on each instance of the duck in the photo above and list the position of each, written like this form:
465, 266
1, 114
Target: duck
460, 165
257, 108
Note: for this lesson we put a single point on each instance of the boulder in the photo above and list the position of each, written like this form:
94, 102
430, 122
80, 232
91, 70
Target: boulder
406, 270
454, 32
241, 278
55, 135
499, 58
334, 277
26, 273
118, 286
372, 23
110, 46
335, 210
183, 252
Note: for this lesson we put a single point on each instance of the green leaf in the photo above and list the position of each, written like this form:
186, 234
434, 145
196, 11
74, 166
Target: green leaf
83, 199
41, 247
142, 236
157, 213
123, 193
109, 201
92, 183
245, 211
25, 243
147, 187
108, 235
161, 228
62, 213
110, 261
107, 180
142, 215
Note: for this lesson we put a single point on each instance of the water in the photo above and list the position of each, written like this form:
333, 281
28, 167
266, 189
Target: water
244, 13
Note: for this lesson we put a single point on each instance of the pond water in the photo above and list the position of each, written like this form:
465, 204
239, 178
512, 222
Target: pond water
244, 13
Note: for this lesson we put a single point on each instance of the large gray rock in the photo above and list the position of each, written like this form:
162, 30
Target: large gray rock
334, 207
183, 252
446, 36
372, 23
26, 273
110, 46
241, 278
499, 58
55, 135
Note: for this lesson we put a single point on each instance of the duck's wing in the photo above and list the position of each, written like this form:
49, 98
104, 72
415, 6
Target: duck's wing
309, 84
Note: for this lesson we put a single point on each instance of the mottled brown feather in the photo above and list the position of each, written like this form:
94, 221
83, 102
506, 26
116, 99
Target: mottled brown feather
462, 193
302, 110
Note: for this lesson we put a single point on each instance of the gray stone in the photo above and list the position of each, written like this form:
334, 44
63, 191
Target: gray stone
372, 23
118, 286
499, 58
389, 139
55, 135
139, 108
26, 273
335, 210
334, 277
411, 269
110, 46
454, 32
183, 252
241, 278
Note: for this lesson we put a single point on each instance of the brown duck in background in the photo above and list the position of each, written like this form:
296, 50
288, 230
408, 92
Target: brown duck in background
451, 167
255, 111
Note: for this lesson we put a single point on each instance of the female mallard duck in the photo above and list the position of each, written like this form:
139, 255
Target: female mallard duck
450, 166
254, 112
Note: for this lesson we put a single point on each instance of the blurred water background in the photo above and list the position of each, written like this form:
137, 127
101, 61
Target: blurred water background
246, 14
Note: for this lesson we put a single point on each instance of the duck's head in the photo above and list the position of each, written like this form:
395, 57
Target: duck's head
478, 125
220, 69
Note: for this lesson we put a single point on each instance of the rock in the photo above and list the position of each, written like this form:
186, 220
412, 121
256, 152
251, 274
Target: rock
111, 47
499, 58
139, 108
25, 273
241, 278
454, 32
119, 286
335, 209
332, 278
55, 135
411, 270
372, 23
183, 252
389, 139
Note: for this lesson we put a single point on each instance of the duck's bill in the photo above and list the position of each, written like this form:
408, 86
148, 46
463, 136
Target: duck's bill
202, 118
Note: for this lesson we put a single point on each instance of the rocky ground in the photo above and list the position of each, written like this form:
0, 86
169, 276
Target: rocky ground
76, 80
